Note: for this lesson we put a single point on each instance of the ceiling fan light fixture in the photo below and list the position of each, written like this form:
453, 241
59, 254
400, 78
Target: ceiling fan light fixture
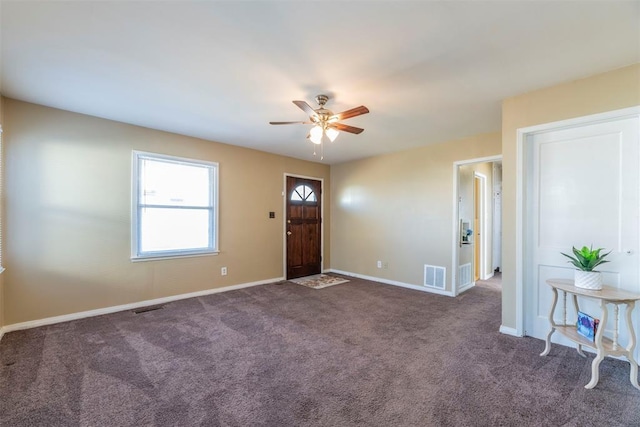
332, 134
315, 135
324, 122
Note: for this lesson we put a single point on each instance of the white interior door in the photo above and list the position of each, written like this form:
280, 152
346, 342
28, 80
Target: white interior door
582, 189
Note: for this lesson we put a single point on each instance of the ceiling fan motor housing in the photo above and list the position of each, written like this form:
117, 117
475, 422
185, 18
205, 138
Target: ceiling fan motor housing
321, 100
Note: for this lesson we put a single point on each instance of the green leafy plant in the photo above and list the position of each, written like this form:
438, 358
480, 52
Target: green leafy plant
586, 259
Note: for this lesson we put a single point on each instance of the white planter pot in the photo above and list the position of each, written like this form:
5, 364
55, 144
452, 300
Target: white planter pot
591, 280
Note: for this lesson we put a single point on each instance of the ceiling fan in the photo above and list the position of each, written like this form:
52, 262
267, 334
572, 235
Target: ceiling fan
324, 121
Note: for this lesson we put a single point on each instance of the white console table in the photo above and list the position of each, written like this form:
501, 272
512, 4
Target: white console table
604, 346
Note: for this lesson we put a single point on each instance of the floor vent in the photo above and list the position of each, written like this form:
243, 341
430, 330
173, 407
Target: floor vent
149, 308
435, 276
464, 275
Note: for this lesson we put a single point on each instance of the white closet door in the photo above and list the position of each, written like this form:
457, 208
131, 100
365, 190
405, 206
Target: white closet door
583, 189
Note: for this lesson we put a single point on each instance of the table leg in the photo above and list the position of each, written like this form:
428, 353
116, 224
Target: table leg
595, 370
633, 372
633, 365
577, 309
547, 347
595, 365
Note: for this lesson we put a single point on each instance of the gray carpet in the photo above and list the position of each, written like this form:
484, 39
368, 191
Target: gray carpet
494, 282
284, 355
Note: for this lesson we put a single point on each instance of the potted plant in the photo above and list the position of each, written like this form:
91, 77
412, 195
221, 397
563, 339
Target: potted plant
585, 260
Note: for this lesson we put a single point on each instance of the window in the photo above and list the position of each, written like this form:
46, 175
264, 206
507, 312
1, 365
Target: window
174, 207
303, 193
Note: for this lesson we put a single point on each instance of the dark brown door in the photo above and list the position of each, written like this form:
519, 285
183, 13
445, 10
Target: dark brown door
303, 227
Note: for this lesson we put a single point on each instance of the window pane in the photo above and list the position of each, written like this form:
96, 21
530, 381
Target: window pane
163, 229
295, 195
303, 192
311, 196
168, 183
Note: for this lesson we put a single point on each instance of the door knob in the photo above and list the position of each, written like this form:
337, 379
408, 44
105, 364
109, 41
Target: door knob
289, 233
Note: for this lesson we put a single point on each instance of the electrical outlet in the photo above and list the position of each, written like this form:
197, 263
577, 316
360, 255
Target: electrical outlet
379, 264
386, 265
223, 271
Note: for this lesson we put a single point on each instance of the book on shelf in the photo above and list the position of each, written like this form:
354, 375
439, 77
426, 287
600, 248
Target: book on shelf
587, 326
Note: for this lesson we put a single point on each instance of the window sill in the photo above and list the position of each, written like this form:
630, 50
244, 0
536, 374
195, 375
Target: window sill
163, 257
2, 270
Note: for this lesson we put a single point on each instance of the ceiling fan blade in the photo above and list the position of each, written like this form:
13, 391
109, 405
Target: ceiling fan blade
350, 113
346, 128
306, 108
289, 123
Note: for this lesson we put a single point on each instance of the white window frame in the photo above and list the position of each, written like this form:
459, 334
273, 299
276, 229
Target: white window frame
137, 206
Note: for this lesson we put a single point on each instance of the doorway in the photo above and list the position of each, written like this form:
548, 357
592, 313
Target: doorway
475, 255
303, 226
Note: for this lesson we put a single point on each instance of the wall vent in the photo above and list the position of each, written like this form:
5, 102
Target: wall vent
148, 308
435, 276
464, 275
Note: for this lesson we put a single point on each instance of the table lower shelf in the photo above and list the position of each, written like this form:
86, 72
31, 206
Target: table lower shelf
570, 332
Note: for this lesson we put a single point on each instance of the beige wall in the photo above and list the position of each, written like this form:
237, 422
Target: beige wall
67, 192
605, 92
398, 208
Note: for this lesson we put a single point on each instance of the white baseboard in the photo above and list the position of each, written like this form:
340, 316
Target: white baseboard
510, 331
394, 283
466, 287
107, 310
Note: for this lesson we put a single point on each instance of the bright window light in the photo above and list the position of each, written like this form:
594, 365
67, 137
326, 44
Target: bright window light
174, 207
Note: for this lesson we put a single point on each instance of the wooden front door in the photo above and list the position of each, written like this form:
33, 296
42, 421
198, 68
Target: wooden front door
303, 227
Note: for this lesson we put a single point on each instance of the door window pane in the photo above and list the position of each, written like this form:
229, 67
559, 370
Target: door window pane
303, 193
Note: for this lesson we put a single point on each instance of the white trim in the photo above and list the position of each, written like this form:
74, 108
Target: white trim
522, 134
113, 309
190, 255
483, 225
466, 287
456, 214
394, 283
510, 331
214, 210
284, 220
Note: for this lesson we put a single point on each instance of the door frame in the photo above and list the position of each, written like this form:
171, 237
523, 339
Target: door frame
523, 176
284, 220
456, 215
482, 221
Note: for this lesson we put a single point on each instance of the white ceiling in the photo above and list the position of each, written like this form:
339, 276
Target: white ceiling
429, 71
